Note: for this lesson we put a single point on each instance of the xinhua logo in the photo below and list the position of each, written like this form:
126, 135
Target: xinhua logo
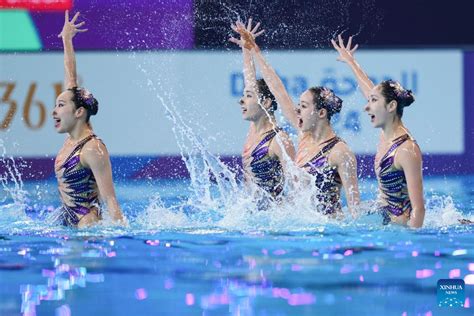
451, 293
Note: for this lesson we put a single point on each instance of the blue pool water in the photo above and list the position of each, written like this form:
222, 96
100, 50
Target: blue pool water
179, 261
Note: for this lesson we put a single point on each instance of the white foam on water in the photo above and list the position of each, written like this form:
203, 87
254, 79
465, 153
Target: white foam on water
13, 199
157, 216
441, 211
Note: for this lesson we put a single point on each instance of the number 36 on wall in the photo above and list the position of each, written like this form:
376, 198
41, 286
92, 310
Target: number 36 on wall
28, 105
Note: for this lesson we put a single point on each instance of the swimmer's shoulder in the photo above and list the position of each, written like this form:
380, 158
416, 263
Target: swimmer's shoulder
95, 143
285, 138
94, 150
341, 152
408, 153
287, 143
342, 147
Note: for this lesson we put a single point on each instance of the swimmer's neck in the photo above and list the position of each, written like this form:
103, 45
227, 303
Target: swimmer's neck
322, 132
393, 129
264, 124
80, 131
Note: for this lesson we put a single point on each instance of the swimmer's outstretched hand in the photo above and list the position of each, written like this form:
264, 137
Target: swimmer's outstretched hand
346, 53
247, 34
70, 29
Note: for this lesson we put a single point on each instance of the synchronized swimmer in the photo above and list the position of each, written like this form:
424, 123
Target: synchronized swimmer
82, 166
267, 149
398, 162
84, 172
320, 151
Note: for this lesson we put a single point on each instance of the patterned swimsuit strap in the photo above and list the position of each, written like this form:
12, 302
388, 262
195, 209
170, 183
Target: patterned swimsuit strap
79, 147
268, 136
395, 144
329, 144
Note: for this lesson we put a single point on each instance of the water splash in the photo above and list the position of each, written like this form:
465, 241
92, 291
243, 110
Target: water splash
212, 183
218, 199
212, 20
14, 197
441, 212
157, 216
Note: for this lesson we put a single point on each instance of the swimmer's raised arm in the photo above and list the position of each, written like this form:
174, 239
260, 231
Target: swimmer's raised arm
68, 32
250, 76
346, 55
271, 78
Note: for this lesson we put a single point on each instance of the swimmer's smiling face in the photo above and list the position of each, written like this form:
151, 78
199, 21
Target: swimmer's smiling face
65, 114
377, 108
249, 104
308, 115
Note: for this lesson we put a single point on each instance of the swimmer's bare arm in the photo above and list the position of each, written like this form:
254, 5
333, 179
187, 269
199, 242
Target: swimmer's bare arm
271, 77
346, 55
250, 75
346, 163
95, 156
276, 87
285, 152
408, 158
69, 30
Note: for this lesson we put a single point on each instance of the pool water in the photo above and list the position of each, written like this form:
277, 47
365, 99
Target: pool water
172, 261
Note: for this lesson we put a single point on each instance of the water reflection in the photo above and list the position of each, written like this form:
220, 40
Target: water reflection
238, 275
63, 277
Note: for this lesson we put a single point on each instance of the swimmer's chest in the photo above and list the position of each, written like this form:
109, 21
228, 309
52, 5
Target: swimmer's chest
306, 153
252, 142
63, 154
382, 150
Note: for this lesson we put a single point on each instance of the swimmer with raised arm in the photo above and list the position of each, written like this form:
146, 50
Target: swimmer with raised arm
320, 151
267, 149
398, 162
82, 166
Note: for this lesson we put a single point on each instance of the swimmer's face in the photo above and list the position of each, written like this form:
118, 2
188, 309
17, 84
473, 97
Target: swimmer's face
308, 115
65, 114
377, 108
249, 104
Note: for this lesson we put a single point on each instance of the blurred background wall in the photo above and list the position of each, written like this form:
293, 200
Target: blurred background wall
160, 67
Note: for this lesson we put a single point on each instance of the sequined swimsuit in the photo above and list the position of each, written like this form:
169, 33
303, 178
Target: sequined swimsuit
266, 170
392, 184
327, 179
77, 187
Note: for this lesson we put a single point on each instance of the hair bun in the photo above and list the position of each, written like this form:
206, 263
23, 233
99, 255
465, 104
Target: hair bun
88, 101
407, 98
336, 105
393, 90
333, 103
94, 108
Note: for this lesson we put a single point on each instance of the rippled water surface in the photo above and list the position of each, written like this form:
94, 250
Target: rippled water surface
175, 261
